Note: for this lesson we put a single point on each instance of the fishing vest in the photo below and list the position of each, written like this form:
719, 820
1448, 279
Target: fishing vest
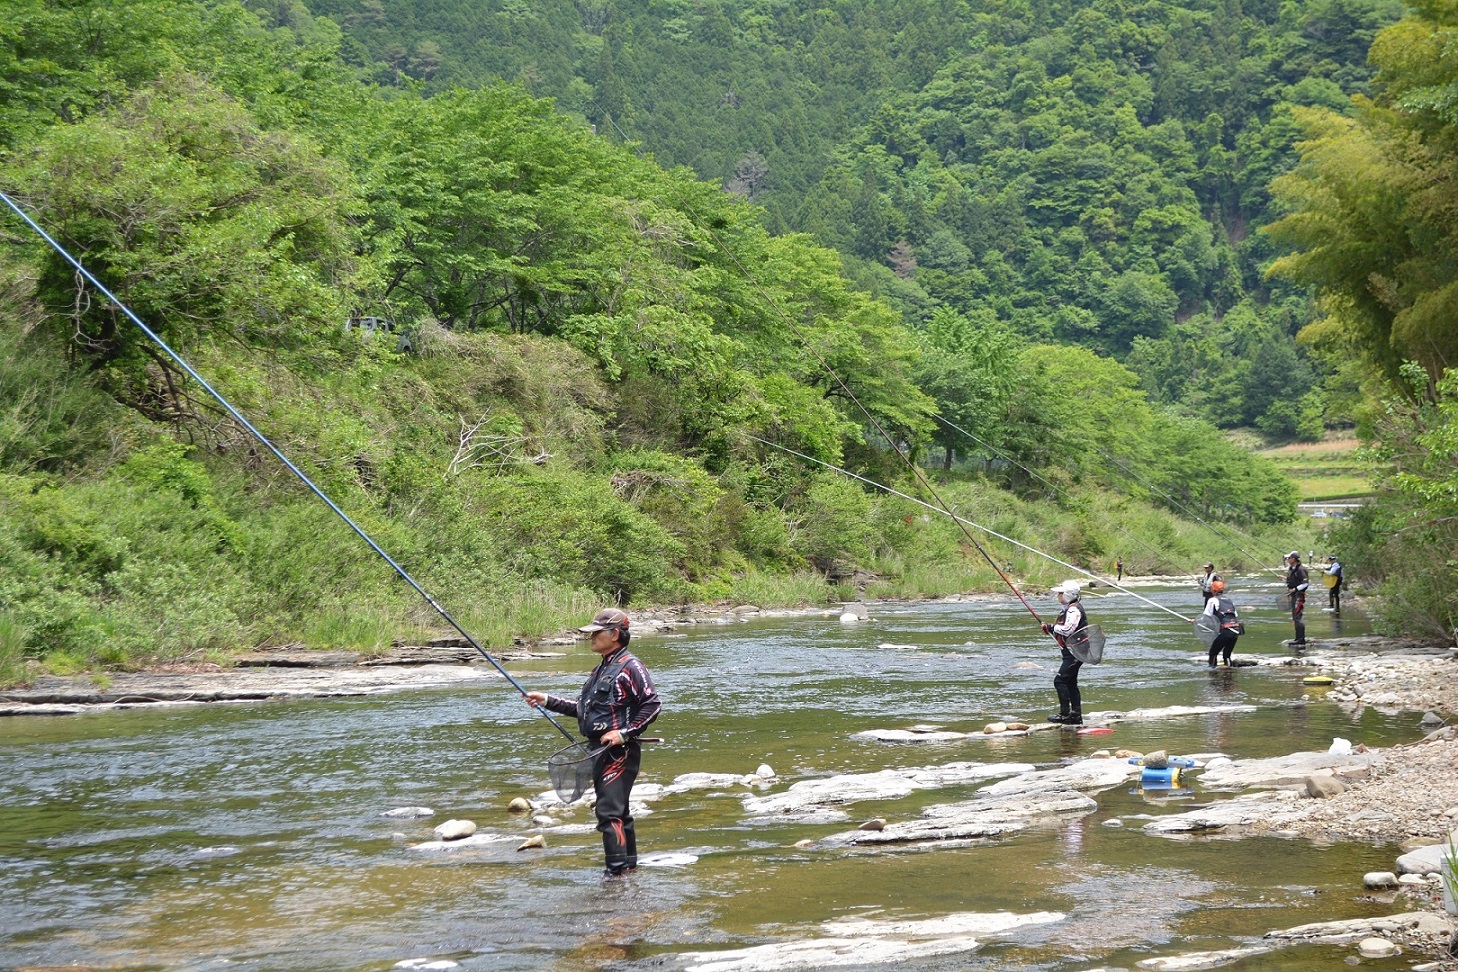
595, 702
1082, 615
1225, 614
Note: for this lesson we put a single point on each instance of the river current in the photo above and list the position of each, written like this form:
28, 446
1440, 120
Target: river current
250, 836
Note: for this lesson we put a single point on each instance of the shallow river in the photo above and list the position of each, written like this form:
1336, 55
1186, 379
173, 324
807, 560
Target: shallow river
249, 836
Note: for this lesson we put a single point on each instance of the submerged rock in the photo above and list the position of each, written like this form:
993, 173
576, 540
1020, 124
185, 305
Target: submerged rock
970, 819
864, 943
1202, 960
808, 796
1271, 807
409, 812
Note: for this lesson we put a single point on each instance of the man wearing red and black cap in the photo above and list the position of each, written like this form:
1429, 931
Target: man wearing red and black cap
614, 707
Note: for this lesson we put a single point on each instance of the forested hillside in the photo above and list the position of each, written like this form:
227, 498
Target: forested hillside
1080, 173
541, 369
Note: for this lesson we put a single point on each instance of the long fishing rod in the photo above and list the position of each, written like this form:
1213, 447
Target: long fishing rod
966, 522
1192, 514
840, 383
238, 417
1159, 554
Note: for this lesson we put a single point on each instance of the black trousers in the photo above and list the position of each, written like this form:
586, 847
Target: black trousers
1224, 644
1334, 597
1066, 685
1298, 615
613, 773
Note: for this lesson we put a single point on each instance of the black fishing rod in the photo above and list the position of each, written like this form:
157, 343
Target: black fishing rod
1159, 554
238, 417
966, 522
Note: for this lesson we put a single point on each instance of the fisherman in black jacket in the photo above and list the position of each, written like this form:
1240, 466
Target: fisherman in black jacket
1296, 584
614, 707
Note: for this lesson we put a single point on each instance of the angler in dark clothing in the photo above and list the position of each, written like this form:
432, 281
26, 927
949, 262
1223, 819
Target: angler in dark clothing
1071, 619
1334, 592
1296, 585
1222, 608
615, 705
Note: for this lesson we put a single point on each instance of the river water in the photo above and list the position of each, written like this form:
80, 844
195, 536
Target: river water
250, 836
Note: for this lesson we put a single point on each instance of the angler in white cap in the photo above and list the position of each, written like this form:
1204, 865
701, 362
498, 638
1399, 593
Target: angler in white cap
1072, 618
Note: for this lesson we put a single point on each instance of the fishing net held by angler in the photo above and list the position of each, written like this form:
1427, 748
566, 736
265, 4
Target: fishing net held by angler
570, 770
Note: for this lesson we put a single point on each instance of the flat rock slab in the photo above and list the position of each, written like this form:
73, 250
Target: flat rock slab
1086, 774
1194, 961
475, 840
1163, 712
1428, 924
811, 795
1270, 806
1290, 770
56, 695
972, 819
867, 943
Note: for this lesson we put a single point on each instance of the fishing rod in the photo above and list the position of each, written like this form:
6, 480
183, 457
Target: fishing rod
1192, 514
840, 383
238, 417
967, 522
1159, 554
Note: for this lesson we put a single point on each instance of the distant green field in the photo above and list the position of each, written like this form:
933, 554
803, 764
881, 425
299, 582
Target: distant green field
1323, 470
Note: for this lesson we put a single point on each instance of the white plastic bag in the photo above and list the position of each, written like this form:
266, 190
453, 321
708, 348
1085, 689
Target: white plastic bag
1340, 746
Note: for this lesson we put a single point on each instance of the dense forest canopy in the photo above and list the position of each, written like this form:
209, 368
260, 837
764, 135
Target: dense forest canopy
542, 368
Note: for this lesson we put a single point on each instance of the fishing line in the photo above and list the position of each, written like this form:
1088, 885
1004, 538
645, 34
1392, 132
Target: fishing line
967, 522
238, 417
1138, 540
840, 383
1193, 515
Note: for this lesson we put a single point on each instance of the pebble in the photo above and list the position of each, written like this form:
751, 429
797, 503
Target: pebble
518, 805
1379, 879
875, 823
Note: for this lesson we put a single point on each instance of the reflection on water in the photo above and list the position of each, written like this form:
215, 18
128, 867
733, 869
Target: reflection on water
251, 834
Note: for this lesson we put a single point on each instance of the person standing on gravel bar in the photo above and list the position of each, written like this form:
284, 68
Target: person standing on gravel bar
1296, 584
615, 705
1222, 609
1119, 569
1070, 619
1334, 582
1207, 579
